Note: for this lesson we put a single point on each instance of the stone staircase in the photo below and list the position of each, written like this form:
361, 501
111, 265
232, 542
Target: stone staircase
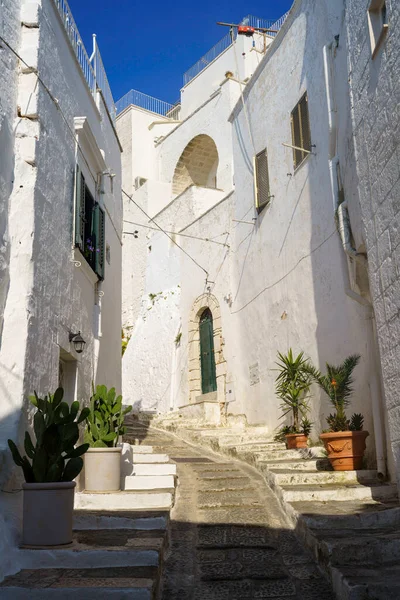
119, 539
349, 520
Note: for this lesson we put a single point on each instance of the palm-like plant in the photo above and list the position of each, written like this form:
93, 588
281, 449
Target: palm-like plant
338, 385
292, 386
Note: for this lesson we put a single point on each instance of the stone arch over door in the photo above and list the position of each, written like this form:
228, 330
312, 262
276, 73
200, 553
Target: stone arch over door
204, 302
197, 165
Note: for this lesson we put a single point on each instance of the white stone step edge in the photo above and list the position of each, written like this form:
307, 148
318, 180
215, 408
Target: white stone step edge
138, 449
124, 500
149, 482
342, 494
294, 478
75, 593
154, 469
138, 458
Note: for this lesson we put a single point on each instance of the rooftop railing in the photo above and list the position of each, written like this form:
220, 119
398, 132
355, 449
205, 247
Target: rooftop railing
226, 42
92, 68
146, 102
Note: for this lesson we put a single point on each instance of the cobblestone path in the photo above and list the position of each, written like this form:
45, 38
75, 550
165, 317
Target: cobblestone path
229, 537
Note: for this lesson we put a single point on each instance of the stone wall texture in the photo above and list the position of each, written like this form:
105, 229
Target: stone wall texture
375, 95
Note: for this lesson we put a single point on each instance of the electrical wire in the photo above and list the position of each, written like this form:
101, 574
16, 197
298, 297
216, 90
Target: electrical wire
194, 237
165, 233
268, 287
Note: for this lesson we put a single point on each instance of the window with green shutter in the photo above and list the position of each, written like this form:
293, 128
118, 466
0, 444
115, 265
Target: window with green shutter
89, 226
261, 180
301, 134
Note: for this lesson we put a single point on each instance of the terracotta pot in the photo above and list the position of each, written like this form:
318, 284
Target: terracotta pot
48, 510
296, 440
103, 469
345, 449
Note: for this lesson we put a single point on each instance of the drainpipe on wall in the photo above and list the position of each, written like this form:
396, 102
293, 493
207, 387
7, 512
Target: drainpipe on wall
344, 227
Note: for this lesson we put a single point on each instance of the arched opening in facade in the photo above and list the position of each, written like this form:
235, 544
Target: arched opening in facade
207, 358
197, 165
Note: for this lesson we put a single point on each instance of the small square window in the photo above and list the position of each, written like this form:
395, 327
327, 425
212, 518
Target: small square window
378, 24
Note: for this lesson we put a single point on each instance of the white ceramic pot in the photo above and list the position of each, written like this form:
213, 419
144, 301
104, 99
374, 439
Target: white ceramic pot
103, 469
48, 513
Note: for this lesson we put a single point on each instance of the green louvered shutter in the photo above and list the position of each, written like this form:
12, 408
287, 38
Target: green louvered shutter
207, 357
80, 210
99, 239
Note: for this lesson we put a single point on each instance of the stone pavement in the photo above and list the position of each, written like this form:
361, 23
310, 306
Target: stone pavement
229, 539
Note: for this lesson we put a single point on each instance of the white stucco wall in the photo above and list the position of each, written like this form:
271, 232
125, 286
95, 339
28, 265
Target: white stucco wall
201, 87
47, 295
290, 269
375, 95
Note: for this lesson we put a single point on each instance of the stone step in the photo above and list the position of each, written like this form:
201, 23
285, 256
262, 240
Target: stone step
359, 583
259, 446
154, 469
327, 493
359, 547
348, 514
273, 455
123, 500
149, 458
135, 583
150, 482
283, 477
100, 547
135, 519
141, 449
308, 464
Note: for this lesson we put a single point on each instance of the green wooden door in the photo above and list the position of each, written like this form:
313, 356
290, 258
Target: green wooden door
208, 374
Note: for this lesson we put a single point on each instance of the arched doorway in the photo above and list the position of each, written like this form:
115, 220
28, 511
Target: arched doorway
197, 165
207, 356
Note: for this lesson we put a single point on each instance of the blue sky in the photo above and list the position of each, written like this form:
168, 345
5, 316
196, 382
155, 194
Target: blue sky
148, 46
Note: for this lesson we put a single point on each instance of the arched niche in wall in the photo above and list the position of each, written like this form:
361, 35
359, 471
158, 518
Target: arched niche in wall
197, 165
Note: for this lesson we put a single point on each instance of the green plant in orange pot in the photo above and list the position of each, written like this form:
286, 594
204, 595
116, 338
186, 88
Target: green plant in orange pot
344, 441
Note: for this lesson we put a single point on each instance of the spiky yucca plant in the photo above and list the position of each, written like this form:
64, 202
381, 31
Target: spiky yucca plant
292, 386
338, 385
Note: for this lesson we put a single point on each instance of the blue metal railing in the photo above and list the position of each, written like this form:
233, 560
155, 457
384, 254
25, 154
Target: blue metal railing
149, 103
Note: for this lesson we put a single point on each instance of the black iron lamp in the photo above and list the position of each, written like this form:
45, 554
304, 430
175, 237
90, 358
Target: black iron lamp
78, 341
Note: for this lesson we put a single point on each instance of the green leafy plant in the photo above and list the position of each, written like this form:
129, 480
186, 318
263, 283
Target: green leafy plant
124, 341
105, 421
338, 385
53, 457
282, 432
292, 386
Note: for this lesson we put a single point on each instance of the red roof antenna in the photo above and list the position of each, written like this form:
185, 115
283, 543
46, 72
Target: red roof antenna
247, 29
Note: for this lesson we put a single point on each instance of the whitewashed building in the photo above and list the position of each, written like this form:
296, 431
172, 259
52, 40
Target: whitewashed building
61, 223
264, 263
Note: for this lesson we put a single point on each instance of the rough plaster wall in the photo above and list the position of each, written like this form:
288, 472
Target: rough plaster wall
290, 275
9, 30
375, 91
10, 504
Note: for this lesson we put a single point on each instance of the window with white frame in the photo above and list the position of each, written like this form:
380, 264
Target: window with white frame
89, 226
378, 24
261, 180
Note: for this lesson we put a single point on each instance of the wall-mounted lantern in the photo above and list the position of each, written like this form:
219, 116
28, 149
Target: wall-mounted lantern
78, 341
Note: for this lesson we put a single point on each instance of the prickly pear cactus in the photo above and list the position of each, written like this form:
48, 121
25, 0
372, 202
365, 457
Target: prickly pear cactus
54, 456
105, 422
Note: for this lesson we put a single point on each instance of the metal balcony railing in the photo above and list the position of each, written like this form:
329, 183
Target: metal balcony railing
92, 68
149, 103
226, 41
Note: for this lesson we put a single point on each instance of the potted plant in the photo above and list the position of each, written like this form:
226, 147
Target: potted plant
292, 387
104, 427
50, 466
345, 439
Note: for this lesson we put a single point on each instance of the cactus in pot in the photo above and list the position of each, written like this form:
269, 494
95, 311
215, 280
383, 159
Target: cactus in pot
50, 466
104, 428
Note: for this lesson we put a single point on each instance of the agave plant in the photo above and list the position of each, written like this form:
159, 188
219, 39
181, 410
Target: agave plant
338, 385
292, 386
53, 457
105, 421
